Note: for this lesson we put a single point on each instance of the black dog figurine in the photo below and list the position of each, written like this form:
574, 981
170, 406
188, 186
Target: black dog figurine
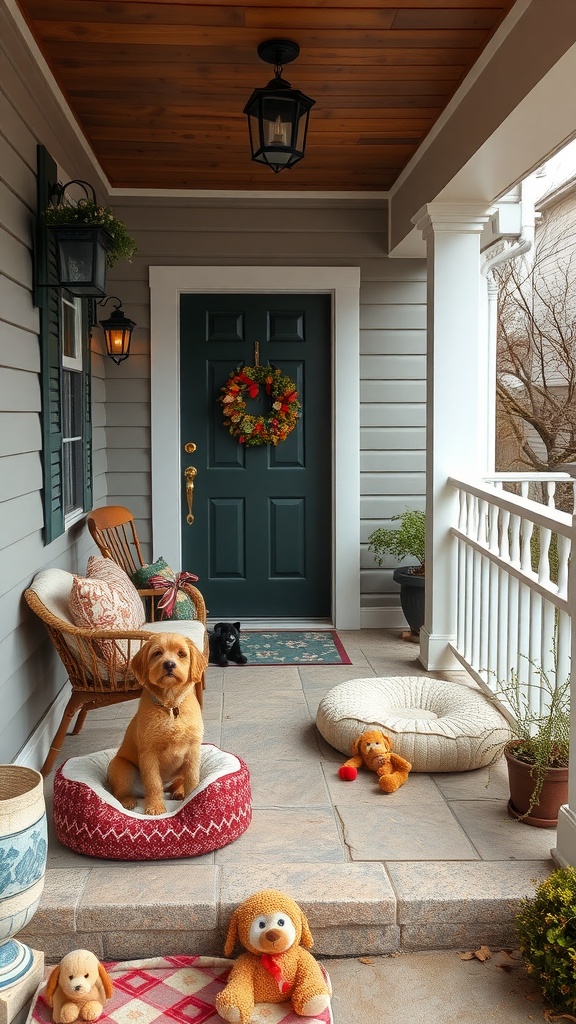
224, 642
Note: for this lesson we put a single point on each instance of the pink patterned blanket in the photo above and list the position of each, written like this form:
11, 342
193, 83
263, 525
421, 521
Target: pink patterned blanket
171, 990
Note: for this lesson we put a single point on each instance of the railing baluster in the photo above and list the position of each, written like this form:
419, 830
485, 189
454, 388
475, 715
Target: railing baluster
512, 608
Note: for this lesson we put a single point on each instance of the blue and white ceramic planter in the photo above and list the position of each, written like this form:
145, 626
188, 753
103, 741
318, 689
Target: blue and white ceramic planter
23, 847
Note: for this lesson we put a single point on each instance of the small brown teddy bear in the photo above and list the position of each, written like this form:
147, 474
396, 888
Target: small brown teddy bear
78, 988
374, 749
276, 967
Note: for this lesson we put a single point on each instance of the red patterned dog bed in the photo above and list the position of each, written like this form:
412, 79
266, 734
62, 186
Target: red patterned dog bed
89, 820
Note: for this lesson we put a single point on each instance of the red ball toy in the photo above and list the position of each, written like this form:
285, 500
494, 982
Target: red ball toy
347, 772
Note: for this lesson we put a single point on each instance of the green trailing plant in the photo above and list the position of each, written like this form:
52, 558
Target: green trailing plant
408, 539
88, 212
546, 928
541, 737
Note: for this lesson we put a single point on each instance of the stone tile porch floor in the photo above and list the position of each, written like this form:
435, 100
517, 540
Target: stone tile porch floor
437, 865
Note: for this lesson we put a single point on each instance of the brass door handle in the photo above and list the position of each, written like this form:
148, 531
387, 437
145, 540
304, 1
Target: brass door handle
190, 473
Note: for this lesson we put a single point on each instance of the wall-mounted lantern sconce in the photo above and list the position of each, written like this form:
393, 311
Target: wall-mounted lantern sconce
81, 244
278, 115
117, 331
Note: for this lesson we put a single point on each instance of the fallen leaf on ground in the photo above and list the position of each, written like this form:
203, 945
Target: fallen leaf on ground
365, 960
482, 954
557, 1016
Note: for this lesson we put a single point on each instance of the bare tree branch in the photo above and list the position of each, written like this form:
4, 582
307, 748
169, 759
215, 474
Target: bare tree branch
536, 353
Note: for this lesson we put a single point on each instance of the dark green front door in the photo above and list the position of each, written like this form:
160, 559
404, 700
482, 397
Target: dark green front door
261, 538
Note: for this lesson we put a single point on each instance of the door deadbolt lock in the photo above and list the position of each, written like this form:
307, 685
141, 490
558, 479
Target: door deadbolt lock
190, 447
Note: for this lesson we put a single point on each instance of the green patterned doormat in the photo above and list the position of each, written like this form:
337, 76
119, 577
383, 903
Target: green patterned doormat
293, 647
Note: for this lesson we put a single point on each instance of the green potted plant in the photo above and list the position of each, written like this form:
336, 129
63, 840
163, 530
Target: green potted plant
89, 238
537, 755
546, 928
408, 540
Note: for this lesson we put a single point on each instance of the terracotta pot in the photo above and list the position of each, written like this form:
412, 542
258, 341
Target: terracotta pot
23, 847
554, 793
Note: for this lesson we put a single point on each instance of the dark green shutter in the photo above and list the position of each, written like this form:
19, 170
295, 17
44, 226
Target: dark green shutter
48, 300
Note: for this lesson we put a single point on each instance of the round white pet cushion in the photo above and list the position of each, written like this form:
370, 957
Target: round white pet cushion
438, 726
90, 820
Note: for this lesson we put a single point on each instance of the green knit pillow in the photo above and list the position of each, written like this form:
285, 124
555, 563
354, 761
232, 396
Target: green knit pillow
184, 607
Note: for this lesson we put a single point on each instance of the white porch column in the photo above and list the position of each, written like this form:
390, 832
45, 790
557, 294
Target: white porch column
456, 435
564, 855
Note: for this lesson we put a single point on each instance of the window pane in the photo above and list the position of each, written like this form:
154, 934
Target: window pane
68, 329
71, 404
72, 458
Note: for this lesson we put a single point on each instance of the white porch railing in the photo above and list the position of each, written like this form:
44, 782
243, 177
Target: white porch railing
513, 613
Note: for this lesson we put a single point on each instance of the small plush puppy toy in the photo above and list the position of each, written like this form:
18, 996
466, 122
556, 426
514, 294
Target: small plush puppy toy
78, 989
276, 967
374, 750
224, 642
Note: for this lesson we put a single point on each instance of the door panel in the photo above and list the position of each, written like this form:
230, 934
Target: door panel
261, 537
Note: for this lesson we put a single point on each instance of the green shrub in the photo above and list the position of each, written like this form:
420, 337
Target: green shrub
409, 539
546, 927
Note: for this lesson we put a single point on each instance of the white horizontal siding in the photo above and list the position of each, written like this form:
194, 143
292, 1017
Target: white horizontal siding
392, 342
20, 474
30, 672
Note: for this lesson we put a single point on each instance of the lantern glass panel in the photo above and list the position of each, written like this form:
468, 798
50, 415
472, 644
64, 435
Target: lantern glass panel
81, 256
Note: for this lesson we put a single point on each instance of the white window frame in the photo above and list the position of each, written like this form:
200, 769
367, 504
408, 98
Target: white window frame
75, 364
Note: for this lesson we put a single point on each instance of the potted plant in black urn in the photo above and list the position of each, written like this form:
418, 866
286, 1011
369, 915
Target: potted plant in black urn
408, 540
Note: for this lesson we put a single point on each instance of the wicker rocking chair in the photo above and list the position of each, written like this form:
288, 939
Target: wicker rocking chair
98, 661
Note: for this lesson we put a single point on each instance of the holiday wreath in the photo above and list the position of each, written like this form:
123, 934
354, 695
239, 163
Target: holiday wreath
276, 423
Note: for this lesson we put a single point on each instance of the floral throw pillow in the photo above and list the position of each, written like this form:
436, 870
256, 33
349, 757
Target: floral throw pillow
184, 607
106, 599
108, 571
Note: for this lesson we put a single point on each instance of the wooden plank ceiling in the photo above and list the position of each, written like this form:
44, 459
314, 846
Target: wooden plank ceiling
159, 87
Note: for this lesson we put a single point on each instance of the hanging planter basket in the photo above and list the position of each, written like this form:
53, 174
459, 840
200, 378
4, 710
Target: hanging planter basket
89, 239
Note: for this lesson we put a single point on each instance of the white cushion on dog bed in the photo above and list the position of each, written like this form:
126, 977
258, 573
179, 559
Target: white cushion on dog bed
90, 820
436, 725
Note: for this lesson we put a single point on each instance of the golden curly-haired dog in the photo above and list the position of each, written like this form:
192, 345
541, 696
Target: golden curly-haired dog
163, 739
276, 967
78, 988
374, 750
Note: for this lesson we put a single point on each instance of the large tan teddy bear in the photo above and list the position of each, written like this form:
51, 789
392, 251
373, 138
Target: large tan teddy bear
374, 750
78, 988
276, 967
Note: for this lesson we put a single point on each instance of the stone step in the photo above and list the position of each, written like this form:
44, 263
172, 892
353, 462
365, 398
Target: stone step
135, 910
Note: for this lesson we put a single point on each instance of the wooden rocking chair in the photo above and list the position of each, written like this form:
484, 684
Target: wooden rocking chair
113, 530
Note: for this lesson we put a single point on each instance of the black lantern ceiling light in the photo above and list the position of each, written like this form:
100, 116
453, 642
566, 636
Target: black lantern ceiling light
278, 115
117, 331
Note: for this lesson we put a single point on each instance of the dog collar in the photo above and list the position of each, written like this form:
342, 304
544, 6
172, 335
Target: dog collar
173, 710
